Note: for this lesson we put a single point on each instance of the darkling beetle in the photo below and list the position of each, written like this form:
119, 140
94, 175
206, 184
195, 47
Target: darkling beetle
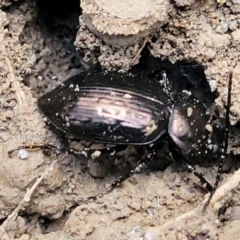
136, 109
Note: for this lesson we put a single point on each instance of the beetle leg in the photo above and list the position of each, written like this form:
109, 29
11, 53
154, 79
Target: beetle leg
177, 157
45, 147
140, 166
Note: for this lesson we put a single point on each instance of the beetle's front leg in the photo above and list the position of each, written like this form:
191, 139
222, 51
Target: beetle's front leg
177, 157
140, 167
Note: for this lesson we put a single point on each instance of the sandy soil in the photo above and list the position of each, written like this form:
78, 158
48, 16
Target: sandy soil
39, 195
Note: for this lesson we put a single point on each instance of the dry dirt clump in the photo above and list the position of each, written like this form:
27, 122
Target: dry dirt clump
122, 23
6, 3
41, 196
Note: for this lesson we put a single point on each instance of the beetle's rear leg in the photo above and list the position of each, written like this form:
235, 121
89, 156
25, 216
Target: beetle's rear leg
140, 167
46, 148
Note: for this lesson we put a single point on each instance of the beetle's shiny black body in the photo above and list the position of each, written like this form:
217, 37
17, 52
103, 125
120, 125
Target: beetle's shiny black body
126, 108
108, 108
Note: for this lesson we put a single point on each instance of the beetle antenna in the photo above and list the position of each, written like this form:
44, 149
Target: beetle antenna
225, 143
166, 85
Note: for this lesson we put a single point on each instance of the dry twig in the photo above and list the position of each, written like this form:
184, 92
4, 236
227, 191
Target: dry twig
25, 199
